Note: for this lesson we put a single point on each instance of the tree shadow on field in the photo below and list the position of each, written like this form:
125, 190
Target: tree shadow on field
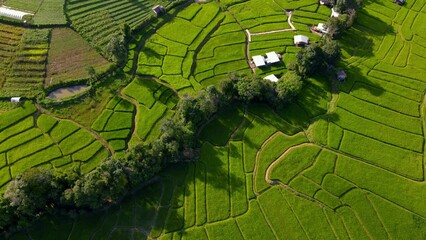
359, 39
193, 186
151, 53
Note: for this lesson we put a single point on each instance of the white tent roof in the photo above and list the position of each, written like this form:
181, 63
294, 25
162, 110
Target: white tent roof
259, 61
15, 99
271, 78
301, 39
11, 13
272, 57
322, 27
334, 13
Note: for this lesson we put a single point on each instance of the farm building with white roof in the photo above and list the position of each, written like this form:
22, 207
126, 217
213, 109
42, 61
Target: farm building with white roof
301, 40
272, 57
259, 61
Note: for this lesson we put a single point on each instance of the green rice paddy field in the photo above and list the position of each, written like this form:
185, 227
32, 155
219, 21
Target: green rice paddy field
343, 165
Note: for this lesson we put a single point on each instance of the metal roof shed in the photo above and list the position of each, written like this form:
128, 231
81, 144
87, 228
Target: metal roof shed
259, 61
301, 40
272, 57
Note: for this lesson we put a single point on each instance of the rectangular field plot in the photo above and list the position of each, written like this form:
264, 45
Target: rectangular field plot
217, 188
253, 224
401, 161
76, 141
228, 228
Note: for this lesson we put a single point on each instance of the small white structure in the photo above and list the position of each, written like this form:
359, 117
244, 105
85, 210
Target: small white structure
15, 99
272, 57
259, 61
12, 13
322, 28
158, 9
271, 78
300, 40
334, 13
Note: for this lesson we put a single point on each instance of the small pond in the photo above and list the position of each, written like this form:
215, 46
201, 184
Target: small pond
65, 92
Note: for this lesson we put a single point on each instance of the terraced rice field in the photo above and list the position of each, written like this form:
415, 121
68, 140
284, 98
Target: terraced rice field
98, 21
26, 61
342, 165
212, 46
46, 12
32, 140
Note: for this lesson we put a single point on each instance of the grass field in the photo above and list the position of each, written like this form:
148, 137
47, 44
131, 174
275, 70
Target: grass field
341, 164
70, 56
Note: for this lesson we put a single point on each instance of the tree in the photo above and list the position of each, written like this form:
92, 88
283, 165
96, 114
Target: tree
30, 192
116, 50
310, 59
331, 51
249, 88
105, 184
289, 86
336, 26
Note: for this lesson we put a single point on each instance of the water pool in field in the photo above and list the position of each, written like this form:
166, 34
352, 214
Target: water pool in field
64, 92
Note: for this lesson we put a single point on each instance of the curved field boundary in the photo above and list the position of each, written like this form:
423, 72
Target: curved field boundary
91, 132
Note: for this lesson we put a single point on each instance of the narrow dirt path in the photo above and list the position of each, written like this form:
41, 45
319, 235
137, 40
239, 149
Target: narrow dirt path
292, 28
256, 163
285, 186
269, 169
249, 35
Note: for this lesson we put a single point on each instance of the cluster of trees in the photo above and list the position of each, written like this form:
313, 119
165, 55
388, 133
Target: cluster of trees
252, 88
318, 58
348, 9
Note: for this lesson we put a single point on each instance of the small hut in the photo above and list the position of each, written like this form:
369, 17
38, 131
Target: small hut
399, 2
271, 78
15, 99
158, 9
341, 75
301, 40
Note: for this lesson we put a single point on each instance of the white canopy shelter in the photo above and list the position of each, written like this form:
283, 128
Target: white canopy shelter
15, 99
322, 28
334, 13
272, 57
301, 39
259, 61
11, 13
271, 78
